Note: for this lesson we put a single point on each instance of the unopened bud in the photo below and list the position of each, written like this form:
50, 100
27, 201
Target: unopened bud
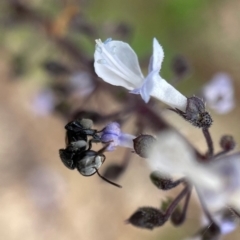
227, 143
163, 182
143, 144
147, 217
196, 113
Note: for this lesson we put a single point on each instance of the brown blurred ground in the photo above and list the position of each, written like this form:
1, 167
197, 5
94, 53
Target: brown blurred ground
41, 199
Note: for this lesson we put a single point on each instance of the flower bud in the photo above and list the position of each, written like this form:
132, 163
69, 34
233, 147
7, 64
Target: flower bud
112, 128
196, 113
142, 144
147, 217
163, 182
227, 143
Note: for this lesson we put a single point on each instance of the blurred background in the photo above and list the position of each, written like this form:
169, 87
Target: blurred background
47, 79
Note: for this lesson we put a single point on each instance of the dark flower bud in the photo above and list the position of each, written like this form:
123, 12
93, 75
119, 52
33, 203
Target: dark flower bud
142, 144
180, 66
147, 217
196, 113
163, 182
227, 143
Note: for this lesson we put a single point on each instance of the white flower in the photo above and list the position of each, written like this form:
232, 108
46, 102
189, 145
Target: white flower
219, 93
218, 182
117, 63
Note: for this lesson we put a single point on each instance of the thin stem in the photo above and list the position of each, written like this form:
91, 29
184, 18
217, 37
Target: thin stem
185, 207
209, 141
234, 212
175, 202
220, 153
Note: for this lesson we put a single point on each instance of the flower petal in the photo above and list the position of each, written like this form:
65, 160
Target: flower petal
156, 60
147, 86
112, 128
166, 93
116, 63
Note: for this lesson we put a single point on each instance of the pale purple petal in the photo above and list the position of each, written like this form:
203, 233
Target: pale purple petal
219, 93
112, 139
126, 140
112, 134
112, 128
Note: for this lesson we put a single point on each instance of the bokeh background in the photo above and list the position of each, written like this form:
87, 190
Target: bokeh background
46, 50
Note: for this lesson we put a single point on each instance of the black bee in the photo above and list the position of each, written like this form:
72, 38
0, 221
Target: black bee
82, 129
77, 155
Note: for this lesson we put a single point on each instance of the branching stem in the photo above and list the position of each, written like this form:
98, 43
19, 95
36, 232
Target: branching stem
176, 201
209, 141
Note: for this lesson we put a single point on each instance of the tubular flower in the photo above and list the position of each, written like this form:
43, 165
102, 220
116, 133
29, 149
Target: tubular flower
116, 63
112, 134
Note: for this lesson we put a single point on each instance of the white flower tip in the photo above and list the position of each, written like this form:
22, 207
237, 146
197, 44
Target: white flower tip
157, 57
98, 41
158, 47
155, 42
